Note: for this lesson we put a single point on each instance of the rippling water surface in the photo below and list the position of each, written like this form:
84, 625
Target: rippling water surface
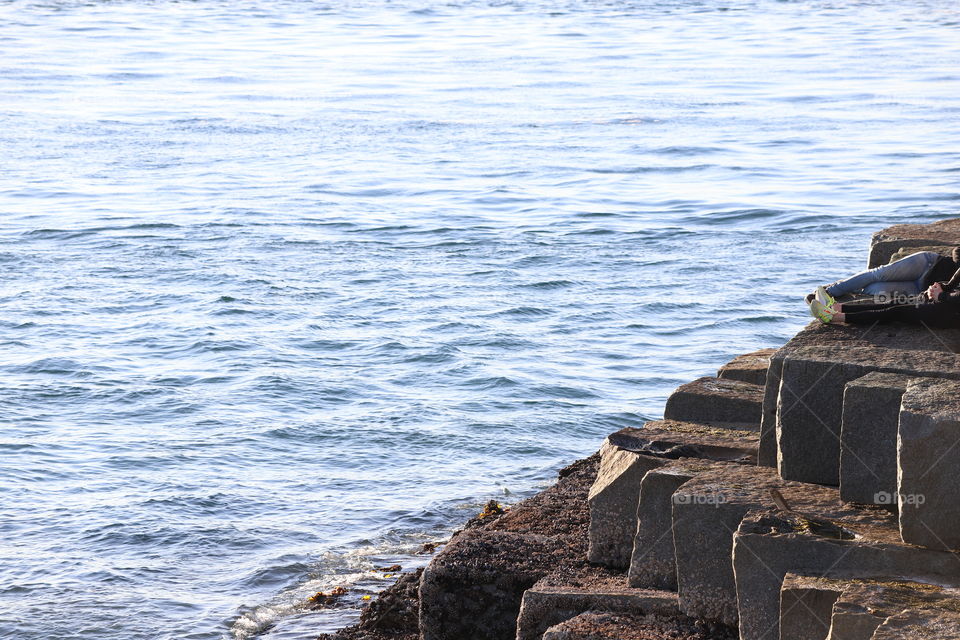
290, 288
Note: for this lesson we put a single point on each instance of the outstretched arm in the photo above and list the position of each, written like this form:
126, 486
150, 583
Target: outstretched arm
953, 282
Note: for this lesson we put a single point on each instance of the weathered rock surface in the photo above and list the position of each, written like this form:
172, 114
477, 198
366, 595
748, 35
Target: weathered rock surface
750, 367
716, 400
627, 456
831, 608
920, 624
865, 604
565, 594
481, 577
888, 241
929, 463
809, 409
836, 339
675, 439
472, 589
861, 541
613, 505
944, 250
707, 511
617, 626
393, 615
653, 562
868, 438
806, 605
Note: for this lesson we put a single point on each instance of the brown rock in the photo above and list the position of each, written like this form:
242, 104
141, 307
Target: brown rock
928, 458
922, 624
716, 400
749, 367
626, 458
617, 626
888, 241
566, 594
472, 589
854, 541
806, 605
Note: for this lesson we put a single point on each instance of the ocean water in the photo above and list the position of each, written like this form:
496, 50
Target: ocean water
290, 288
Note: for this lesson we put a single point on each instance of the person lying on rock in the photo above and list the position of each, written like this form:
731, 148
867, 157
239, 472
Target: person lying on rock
938, 306
905, 277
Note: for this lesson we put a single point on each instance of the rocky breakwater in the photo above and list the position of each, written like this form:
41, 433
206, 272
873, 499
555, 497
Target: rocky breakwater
804, 493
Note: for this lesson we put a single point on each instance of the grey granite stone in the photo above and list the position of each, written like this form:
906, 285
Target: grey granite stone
888, 241
857, 541
613, 505
865, 604
920, 624
868, 438
749, 367
653, 563
943, 250
552, 601
598, 625
806, 605
928, 457
836, 339
630, 453
850, 608
716, 400
675, 439
809, 409
707, 511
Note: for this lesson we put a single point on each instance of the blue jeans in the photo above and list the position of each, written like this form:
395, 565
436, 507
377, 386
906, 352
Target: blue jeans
906, 276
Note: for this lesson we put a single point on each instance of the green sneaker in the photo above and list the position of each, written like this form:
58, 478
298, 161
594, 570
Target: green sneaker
820, 312
824, 298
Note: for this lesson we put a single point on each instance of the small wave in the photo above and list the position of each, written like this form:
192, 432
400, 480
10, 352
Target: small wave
549, 284
57, 367
657, 169
686, 151
130, 75
326, 345
742, 215
494, 382
444, 354
224, 79
521, 312
562, 392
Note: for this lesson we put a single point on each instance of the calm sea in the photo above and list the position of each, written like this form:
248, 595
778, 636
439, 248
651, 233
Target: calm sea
290, 288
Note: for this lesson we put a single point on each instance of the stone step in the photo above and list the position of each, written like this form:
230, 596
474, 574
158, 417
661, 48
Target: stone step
836, 340
922, 624
563, 595
822, 608
627, 456
864, 605
887, 242
749, 367
860, 541
868, 438
712, 400
596, 625
928, 460
810, 404
653, 562
707, 511
674, 439
806, 605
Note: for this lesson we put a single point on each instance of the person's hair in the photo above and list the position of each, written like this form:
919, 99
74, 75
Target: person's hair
955, 254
